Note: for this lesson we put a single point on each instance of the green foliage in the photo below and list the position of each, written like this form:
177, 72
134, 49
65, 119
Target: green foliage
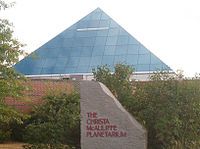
58, 120
170, 110
118, 82
10, 81
168, 105
10, 50
7, 117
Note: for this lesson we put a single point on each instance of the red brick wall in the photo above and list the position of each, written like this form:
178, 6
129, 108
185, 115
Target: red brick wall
36, 90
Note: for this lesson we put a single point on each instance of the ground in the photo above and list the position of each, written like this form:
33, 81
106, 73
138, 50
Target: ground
11, 145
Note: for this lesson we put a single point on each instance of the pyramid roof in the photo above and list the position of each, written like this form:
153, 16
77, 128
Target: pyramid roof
93, 41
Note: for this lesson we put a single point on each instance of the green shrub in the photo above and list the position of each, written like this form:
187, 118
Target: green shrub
168, 105
8, 116
57, 121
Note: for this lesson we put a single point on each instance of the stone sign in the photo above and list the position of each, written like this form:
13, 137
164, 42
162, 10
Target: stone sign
105, 124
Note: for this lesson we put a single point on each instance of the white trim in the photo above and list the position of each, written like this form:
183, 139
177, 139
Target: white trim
92, 29
85, 74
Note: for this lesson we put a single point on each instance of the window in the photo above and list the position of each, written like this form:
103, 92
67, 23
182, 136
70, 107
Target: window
100, 41
121, 50
132, 59
111, 40
84, 61
113, 32
98, 50
133, 49
109, 50
96, 61
108, 60
144, 59
122, 40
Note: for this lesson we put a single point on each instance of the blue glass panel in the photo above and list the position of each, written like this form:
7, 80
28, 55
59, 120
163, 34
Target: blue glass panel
82, 69
111, 40
93, 23
64, 52
40, 53
113, 24
82, 24
59, 70
52, 53
100, 41
113, 32
69, 70
165, 67
68, 42
102, 32
133, 49
132, 59
76, 51
84, 61
143, 50
86, 51
33, 71
30, 66
72, 27
121, 50
122, 40
120, 59
47, 70
61, 62
89, 41
108, 60
73, 61
55, 42
155, 59
123, 32
49, 62
86, 18
143, 68
104, 23
96, 16
91, 33
98, 50
104, 16
80, 34
96, 61
67, 34
144, 59
155, 67
36, 62
79, 41
132, 40
109, 50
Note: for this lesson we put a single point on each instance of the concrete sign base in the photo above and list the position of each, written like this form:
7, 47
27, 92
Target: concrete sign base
105, 124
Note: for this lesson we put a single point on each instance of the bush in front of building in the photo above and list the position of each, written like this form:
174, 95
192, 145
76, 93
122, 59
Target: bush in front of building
55, 123
167, 105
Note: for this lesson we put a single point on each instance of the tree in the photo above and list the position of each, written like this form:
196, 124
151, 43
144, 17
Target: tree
10, 81
10, 50
118, 82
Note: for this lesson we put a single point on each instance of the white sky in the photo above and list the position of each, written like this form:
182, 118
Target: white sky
168, 28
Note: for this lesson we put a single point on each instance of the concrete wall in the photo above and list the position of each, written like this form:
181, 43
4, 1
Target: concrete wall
105, 124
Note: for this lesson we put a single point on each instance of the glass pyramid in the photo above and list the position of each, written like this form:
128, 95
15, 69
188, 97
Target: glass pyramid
93, 41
